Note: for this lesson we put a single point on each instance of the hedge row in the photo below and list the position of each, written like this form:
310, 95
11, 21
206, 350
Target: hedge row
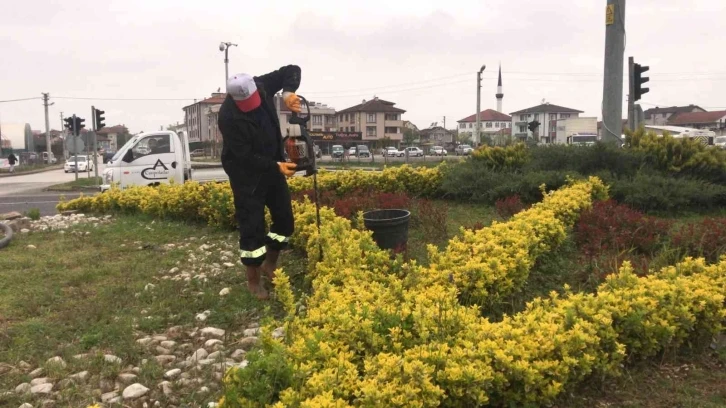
372, 333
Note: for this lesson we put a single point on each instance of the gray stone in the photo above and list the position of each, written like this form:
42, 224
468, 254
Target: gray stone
171, 374
216, 355
248, 342
206, 362
82, 376
166, 388
45, 388
200, 354
26, 405
251, 332
56, 361
109, 396
168, 344
212, 342
212, 332
238, 354
37, 372
204, 390
144, 341
278, 333
116, 400
161, 350
134, 391
110, 358
160, 338
24, 366
23, 388
11, 216
40, 380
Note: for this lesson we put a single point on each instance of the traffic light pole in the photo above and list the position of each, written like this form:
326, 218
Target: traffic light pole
612, 109
95, 144
75, 146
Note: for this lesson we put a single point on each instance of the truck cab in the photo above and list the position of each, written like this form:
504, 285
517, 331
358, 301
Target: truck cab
150, 159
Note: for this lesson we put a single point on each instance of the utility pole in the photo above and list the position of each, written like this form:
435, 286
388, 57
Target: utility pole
478, 104
612, 109
631, 95
47, 125
75, 147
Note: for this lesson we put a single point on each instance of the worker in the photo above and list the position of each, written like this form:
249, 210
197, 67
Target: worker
252, 157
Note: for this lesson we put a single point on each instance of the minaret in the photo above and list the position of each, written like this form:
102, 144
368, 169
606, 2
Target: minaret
500, 95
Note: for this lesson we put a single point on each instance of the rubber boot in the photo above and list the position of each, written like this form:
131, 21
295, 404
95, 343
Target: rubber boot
253, 283
270, 264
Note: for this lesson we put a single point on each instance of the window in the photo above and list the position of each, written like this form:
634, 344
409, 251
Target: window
470, 125
346, 129
496, 124
152, 145
462, 126
317, 120
370, 130
523, 129
352, 128
391, 130
346, 117
553, 116
391, 116
371, 118
522, 117
488, 124
564, 116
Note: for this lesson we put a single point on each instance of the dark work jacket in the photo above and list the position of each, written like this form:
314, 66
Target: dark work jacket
252, 141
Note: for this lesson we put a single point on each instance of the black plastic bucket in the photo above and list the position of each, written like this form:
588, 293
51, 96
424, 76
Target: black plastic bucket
389, 227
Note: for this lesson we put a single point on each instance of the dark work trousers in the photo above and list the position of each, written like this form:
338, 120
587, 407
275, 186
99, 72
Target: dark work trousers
272, 192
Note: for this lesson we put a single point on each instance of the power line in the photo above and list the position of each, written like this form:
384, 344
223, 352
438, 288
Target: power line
22, 99
123, 99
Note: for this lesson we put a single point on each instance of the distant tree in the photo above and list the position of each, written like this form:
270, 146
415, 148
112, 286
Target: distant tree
463, 138
410, 136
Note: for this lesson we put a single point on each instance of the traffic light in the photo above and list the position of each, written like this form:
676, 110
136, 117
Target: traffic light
68, 124
639, 80
533, 125
79, 125
99, 118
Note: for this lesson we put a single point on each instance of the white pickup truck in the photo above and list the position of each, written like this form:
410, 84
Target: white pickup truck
150, 159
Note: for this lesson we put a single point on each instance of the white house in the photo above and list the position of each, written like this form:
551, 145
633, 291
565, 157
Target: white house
492, 123
547, 115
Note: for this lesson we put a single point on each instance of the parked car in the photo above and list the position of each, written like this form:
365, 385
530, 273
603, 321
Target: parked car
438, 151
414, 152
351, 151
197, 153
363, 151
338, 152
463, 150
392, 152
52, 160
82, 164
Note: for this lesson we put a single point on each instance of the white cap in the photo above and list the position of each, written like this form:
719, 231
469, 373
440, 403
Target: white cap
243, 90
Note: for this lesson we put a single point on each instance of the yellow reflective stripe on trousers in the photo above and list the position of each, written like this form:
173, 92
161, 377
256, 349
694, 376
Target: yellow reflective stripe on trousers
253, 254
279, 238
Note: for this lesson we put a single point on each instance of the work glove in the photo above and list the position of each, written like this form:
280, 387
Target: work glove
292, 101
287, 169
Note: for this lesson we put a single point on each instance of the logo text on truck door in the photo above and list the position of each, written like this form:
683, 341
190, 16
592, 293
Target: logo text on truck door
158, 172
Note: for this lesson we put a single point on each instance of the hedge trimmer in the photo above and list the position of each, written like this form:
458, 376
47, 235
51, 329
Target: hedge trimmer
301, 151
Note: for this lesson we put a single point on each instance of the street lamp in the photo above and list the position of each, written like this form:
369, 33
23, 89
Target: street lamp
478, 102
224, 46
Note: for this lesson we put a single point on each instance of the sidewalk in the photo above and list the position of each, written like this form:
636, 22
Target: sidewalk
25, 173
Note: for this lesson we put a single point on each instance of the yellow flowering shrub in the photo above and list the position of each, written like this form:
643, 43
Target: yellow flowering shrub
377, 332
502, 158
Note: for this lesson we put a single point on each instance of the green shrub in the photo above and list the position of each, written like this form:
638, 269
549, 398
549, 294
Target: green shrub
33, 214
653, 192
600, 158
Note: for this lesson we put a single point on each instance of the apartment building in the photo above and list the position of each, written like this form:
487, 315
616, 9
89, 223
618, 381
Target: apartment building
196, 118
375, 119
322, 116
493, 123
547, 115
660, 116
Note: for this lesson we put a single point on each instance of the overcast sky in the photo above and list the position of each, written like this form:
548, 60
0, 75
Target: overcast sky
423, 55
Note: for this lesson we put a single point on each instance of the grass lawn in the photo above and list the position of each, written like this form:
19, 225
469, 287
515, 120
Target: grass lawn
82, 184
85, 291
79, 293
